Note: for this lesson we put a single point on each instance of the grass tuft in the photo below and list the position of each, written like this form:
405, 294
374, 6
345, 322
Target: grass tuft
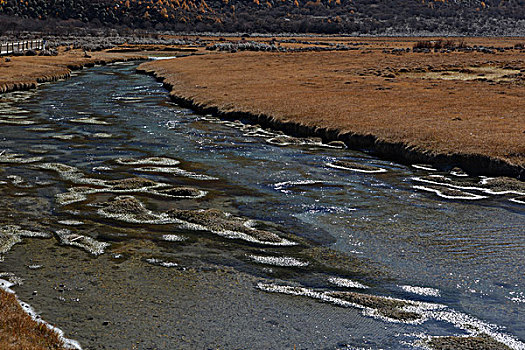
19, 331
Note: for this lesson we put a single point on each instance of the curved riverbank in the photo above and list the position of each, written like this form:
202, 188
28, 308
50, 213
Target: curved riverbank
26, 72
177, 79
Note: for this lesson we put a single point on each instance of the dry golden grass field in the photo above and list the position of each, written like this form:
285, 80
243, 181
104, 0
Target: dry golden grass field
25, 72
458, 103
19, 331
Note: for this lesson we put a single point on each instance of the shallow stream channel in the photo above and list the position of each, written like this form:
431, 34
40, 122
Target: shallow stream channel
132, 223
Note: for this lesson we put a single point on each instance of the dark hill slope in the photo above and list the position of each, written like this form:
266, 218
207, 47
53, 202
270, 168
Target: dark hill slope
474, 17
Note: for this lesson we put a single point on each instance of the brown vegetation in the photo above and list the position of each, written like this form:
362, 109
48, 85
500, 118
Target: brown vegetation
484, 18
438, 44
367, 92
19, 331
25, 72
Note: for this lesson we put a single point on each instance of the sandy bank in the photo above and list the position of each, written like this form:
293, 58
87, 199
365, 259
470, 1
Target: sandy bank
26, 72
411, 107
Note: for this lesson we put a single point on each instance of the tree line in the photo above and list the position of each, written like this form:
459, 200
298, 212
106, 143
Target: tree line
469, 17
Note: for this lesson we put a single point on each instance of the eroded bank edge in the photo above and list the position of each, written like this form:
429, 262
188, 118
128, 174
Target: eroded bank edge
64, 73
401, 152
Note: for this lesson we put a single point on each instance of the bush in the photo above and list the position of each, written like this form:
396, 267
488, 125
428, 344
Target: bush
439, 44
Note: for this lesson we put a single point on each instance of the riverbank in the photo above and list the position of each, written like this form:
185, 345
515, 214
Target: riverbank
26, 72
446, 108
19, 331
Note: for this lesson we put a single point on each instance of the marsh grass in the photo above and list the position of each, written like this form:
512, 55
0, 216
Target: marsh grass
439, 44
26, 72
19, 331
364, 93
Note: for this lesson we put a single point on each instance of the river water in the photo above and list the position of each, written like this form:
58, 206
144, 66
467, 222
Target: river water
449, 248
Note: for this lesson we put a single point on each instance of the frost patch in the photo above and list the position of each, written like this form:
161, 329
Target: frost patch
493, 186
129, 209
14, 158
129, 185
85, 242
519, 200
254, 131
10, 279
458, 172
16, 121
284, 140
346, 283
71, 222
278, 261
102, 168
385, 308
102, 135
357, 167
226, 225
176, 172
173, 238
71, 173
65, 137
18, 181
74, 195
282, 186
154, 161
426, 167
88, 120
162, 263
421, 290
504, 185
13, 234
448, 193
41, 129
399, 310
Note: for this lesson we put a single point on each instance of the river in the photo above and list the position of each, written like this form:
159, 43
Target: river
241, 237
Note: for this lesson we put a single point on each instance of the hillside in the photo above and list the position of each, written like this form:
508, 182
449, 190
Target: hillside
463, 17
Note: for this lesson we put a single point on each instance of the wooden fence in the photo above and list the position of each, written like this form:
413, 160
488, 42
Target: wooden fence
21, 46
